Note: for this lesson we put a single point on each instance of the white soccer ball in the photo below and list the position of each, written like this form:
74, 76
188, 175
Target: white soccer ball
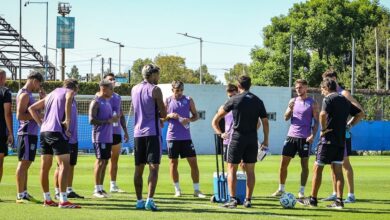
288, 200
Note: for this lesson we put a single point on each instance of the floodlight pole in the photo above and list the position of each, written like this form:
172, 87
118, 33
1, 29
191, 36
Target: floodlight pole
120, 47
201, 48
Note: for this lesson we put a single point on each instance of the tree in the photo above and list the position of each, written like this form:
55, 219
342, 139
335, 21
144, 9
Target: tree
238, 69
74, 73
136, 70
207, 77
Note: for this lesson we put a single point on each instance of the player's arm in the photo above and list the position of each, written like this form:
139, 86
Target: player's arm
93, 112
123, 125
157, 95
357, 115
68, 109
194, 113
8, 116
22, 106
350, 98
215, 122
170, 115
289, 110
35, 108
323, 118
314, 129
264, 120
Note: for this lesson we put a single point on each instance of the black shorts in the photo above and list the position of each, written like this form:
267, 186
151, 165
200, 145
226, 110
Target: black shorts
328, 153
54, 143
292, 145
348, 147
27, 147
116, 139
147, 150
3, 145
242, 147
74, 151
102, 150
184, 148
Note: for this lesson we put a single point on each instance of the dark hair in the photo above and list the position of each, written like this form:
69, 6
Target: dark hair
245, 82
329, 74
301, 81
330, 84
71, 84
149, 69
231, 88
108, 74
35, 75
177, 84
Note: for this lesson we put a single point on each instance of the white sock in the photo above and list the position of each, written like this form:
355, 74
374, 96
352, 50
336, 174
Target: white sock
100, 187
69, 189
140, 200
334, 194
57, 190
20, 195
97, 188
177, 186
149, 199
196, 186
63, 197
112, 183
46, 196
302, 189
351, 195
281, 187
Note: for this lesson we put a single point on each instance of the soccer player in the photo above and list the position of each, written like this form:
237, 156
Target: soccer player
117, 135
302, 110
27, 134
348, 150
55, 132
6, 129
148, 107
247, 108
179, 107
333, 120
74, 148
100, 116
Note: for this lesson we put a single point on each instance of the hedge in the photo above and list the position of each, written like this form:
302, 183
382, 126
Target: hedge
86, 88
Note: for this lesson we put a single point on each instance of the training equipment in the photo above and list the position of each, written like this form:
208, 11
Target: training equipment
287, 200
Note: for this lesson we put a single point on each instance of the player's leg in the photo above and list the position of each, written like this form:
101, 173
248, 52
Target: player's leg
173, 155
106, 155
46, 163
288, 152
56, 183
140, 159
153, 152
21, 173
304, 153
63, 161
1, 165
250, 183
115, 153
349, 172
188, 151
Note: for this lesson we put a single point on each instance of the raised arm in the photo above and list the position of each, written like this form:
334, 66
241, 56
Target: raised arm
35, 108
289, 110
215, 122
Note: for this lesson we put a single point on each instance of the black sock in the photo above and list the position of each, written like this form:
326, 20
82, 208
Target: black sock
339, 199
233, 198
313, 198
248, 199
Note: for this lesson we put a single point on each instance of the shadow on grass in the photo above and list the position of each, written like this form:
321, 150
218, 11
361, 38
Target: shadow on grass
376, 201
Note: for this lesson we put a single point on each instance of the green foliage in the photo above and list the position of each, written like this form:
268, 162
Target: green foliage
74, 73
237, 70
136, 69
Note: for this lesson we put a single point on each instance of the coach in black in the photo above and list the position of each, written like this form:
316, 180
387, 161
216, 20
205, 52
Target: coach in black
247, 108
333, 120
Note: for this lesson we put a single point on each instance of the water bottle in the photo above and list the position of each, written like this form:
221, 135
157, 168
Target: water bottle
114, 114
186, 126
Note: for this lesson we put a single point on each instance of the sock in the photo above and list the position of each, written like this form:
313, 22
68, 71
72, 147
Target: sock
302, 189
351, 195
100, 187
313, 198
248, 199
334, 193
149, 199
46, 196
25, 193
112, 183
177, 186
20, 195
140, 200
281, 187
57, 190
63, 197
97, 188
196, 186
69, 189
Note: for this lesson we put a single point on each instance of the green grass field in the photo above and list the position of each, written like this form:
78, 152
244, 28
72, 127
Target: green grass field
371, 175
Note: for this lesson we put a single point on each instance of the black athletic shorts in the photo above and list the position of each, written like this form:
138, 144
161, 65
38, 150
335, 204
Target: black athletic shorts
74, 151
224, 152
147, 150
54, 143
328, 153
102, 150
348, 147
3, 145
116, 139
27, 147
292, 145
184, 148
242, 147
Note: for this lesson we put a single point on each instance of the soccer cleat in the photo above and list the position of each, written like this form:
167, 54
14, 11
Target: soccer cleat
68, 205
23, 200
140, 205
199, 194
99, 194
178, 193
350, 199
247, 203
32, 199
278, 193
150, 205
301, 195
330, 198
74, 195
50, 203
338, 204
105, 194
232, 204
116, 189
309, 201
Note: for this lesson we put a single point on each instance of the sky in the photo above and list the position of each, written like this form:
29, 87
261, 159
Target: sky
147, 28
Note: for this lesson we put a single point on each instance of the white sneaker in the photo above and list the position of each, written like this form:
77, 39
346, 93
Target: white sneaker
301, 195
278, 193
116, 189
99, 194
178, 193
199, 194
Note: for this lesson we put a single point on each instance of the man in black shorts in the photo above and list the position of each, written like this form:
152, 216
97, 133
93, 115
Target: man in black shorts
6, 129
333, 120
247, 108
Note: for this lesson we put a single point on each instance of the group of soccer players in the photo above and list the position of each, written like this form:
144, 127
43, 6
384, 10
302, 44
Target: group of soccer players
244, 113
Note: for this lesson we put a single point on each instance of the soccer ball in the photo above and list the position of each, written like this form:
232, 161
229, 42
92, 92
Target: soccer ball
288, 200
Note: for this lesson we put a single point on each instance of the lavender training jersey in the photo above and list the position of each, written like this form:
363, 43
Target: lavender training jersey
27, 127
301, 118
102, 133
181, 106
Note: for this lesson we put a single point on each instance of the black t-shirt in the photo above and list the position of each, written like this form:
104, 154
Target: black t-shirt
5, 97
338, 109
247, 109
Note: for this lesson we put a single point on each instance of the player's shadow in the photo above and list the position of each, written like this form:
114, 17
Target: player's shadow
376, 201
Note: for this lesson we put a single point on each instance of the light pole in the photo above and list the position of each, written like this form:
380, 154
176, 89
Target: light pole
201, 42
120, 46
47, 28
98, 55
54, 49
